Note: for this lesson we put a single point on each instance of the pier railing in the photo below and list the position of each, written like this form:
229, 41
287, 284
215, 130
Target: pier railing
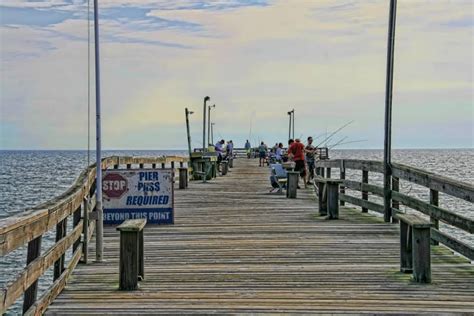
435, 184
29, 227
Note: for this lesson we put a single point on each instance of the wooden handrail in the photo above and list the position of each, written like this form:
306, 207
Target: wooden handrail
29, 226
435, 183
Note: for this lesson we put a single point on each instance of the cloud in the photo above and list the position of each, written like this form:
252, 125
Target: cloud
255, 59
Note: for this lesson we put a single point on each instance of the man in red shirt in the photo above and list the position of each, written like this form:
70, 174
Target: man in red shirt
296, 153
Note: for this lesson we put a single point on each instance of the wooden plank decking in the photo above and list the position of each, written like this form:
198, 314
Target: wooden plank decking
235, 248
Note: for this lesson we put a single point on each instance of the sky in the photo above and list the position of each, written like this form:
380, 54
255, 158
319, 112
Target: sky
256, 60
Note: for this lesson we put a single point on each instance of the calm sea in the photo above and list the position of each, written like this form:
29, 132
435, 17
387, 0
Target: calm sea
28, 178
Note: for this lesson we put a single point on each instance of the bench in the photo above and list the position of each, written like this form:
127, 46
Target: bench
279, 174
132, 267
328, 196
415, 251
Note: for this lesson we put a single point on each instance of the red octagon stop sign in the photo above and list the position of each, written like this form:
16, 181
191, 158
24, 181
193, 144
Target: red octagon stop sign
114, 185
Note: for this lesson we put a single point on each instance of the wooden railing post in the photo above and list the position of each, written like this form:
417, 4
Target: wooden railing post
421, 254
76, 219
406, 256
292, 184
131, 253
183, 178
395, 204
434, 200
85, 228
332, 187
365, 194
60, 233
342, 177
224, 167
34, 250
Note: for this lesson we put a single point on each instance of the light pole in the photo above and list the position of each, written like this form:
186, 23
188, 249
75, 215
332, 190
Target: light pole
212, 132
387, 160
204, 125
188, 113
98, 189
209, 123
291, 122
293, 112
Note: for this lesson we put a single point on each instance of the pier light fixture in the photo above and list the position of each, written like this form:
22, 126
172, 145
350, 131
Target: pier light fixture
212, 132
209, 123
206, 98
187, 114
291, 124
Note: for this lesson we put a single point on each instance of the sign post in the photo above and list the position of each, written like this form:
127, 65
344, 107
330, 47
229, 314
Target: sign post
140, 193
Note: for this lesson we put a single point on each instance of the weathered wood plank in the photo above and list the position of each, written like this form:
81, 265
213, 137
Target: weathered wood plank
53, 291
359, 202
436, 212
433, 181
37, 267
451, 242
235, 248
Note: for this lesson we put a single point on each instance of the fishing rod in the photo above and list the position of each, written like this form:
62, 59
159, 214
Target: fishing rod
338, 142
334, 133
351, 142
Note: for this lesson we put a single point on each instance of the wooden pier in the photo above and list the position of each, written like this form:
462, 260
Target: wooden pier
235, 248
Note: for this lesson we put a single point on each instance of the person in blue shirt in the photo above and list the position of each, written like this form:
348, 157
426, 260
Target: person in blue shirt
279, 153
262, 154
219, 149
247, 148
229, 149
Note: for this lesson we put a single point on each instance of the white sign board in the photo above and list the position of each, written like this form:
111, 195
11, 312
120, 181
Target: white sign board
138, 193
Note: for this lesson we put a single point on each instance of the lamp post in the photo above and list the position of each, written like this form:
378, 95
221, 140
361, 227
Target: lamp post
188, 113
212, 132
291, 122
99, 210
204, 125
293, 114
209, 123
387, 160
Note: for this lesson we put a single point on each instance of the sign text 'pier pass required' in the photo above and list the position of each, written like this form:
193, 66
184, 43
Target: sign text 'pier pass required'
138, 193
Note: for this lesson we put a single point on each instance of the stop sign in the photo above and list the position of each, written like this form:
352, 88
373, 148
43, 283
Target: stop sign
114, 185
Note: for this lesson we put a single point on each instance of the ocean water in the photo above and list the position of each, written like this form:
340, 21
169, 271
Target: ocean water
28, 178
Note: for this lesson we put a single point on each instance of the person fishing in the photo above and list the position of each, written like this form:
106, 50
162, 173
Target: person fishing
296, 153
229, 150
279, 153
219, 150
247, 148
262, 154
310, 152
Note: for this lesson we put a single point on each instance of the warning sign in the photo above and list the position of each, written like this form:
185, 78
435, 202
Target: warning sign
140, 193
